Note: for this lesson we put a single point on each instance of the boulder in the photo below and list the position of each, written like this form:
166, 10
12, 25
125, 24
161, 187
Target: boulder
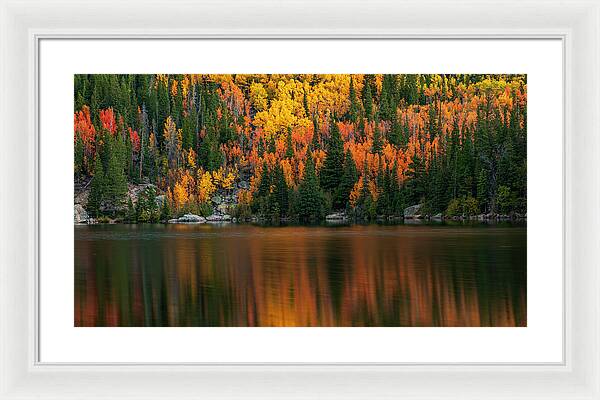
80, 216
223, 208
412, 211
340, 216
218, 218
191, 219
173, 221
437, 217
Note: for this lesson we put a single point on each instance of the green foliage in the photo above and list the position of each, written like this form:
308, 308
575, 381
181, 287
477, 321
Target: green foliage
289, 146
354, 110
464, 206
311, 200
165, 211
147, 211
280, 201
349, 178
377, 139
505, 200
368, 99
330, 173
388, 98
205, 209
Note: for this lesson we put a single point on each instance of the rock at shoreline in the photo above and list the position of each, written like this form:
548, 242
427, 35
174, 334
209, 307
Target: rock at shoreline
80, 215
437, 217
188, 219
223, 208
412, 211
218, 218
340, 216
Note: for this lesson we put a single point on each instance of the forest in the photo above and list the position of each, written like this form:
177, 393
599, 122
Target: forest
150, 148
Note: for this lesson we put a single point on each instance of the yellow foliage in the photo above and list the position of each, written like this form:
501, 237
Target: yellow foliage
191, 159
206, 186
223, 179
180, 195
258, 96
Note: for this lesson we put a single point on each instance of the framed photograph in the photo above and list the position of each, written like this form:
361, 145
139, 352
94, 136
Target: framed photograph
256, 199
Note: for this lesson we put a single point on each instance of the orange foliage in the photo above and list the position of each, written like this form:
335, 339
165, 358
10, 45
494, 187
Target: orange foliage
107, 118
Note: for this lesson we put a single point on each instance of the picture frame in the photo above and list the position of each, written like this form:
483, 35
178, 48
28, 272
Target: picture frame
24, 24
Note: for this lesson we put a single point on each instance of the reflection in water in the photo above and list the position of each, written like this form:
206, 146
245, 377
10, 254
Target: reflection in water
203, 275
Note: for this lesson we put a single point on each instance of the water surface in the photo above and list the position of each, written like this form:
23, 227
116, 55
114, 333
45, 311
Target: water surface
243, 275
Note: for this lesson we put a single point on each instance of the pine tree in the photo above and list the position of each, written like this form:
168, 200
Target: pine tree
115, 179
310, 196
334, 160
97, 189
368, 100
79, 157
388, 97
377, 139
165, 212
349, 179
289, 146
354, 111
416, 183
395, 136
209, 154
130, 211
280, 192
264, 188
316, 144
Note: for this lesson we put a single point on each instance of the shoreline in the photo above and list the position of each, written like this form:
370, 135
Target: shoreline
476, 220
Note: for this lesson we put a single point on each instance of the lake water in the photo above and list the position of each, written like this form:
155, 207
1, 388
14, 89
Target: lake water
244, 275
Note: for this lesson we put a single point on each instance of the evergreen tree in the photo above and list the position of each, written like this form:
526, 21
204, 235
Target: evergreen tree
165, 212
115, 179
79, 157
368, 100
316, 144
416, 181
377, 139
280, 192
97, 189
163, 109
334, 160
348, 180
311, 199
289, 146
209, 154
354, 110
396, 134
130, 211
264, 188
388, 97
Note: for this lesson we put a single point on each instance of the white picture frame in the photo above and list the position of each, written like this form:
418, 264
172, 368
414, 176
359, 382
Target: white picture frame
24, 24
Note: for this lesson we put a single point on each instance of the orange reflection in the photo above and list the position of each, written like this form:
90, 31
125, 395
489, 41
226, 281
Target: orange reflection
300, 276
